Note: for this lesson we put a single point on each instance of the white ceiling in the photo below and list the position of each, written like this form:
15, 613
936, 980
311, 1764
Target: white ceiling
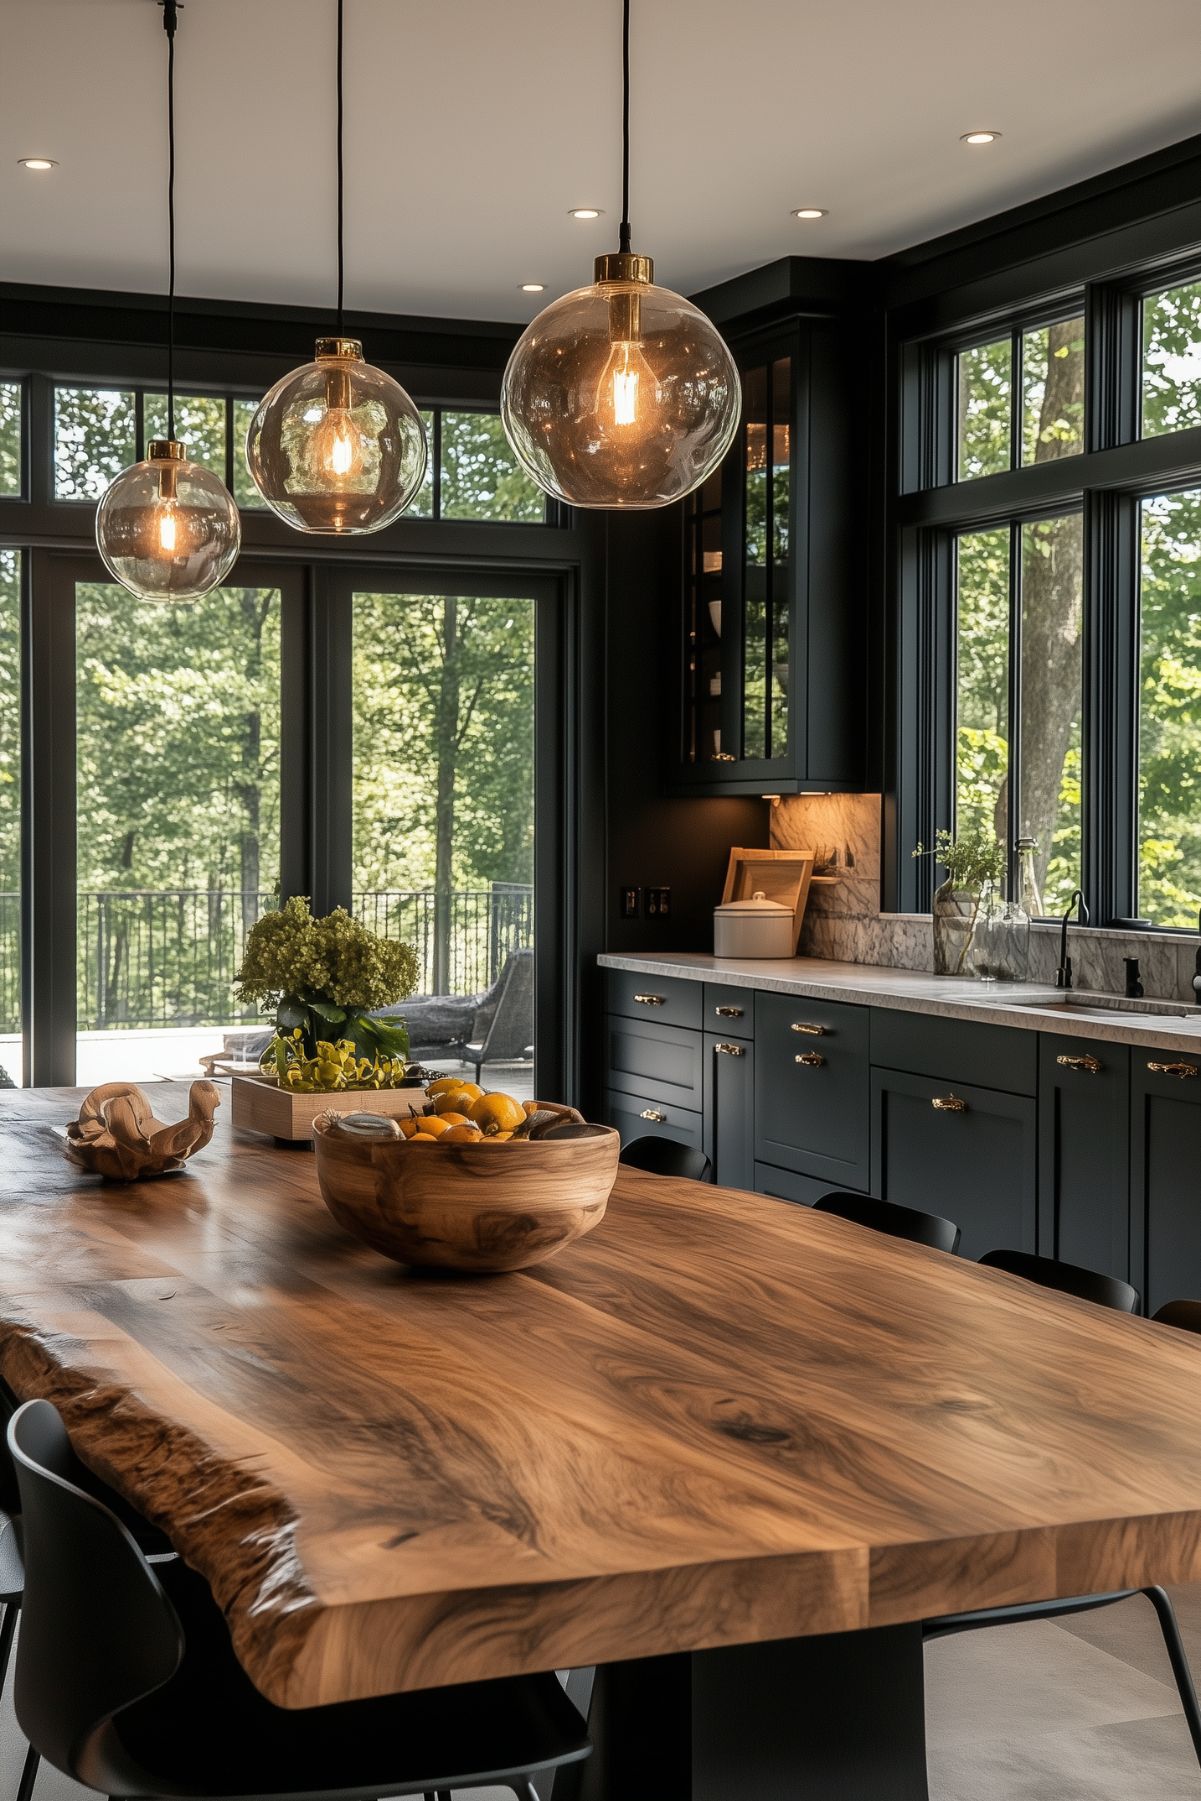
473, 125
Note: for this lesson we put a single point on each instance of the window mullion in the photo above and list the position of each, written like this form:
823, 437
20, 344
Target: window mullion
1109, 730
1014, 786
1112, 368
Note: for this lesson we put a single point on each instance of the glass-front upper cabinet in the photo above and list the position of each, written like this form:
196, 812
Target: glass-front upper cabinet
757, 713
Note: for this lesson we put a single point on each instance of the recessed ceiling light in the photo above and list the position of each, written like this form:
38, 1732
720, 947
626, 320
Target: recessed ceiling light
533, 287
585, 212
810, 212
979, 137
37, 162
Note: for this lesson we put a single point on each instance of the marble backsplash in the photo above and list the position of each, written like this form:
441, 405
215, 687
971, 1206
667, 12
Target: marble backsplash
843, 919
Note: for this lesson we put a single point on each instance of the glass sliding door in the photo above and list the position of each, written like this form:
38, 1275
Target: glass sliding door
443, 812
177, 819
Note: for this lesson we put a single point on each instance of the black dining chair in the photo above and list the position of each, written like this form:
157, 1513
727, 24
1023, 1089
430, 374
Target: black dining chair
889, 1216
1119, 1296
12, 1563
1184, 1315
664, 1157
1067, 1278
127, 1681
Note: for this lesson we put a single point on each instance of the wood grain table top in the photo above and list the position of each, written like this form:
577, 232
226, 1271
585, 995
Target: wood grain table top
718, 1419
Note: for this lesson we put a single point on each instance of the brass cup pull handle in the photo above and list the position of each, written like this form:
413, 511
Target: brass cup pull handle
1181, 1070
730, 1050
948, 1103
728, 1012
810, 1059
809, 1031
1091, 1066
650, 1000
653, 1113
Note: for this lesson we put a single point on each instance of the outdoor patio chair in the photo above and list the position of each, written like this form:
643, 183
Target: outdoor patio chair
503, 1029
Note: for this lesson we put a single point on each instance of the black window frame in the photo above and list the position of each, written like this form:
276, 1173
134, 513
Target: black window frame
1106, 481
554, 558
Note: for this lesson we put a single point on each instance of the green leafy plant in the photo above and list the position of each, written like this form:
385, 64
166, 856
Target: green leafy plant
973, 858
323, 979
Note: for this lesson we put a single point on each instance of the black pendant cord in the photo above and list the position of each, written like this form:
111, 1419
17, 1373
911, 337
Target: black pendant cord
624, 236
170, 20
341, 182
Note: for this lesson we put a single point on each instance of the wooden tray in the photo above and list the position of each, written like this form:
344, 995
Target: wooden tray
261, 1105
780, 875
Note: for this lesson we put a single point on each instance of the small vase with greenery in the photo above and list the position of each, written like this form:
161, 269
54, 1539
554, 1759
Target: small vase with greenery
975, 862
324, 980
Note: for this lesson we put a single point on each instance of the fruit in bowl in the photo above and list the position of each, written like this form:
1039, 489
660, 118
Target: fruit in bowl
477, 1181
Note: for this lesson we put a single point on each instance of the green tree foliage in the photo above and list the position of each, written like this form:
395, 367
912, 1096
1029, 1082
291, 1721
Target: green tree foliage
1051, 425
444, 748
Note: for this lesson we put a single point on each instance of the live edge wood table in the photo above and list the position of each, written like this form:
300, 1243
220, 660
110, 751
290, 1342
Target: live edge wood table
726, 1449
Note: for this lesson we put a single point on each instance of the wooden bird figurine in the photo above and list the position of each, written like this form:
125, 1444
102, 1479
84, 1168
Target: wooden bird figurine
117, 1136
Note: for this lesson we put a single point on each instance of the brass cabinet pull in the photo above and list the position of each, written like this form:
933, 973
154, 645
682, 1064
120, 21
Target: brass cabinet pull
809, 1031
723, 756
948, 1103
731, 1050
653, 1113
1182, 1070
1091, 1066
651, 1000
728, 1012
810, 1059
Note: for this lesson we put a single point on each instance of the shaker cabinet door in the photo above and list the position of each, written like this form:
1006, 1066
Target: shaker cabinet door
966, 1153
730, 1110
1084, 1153
811, 1088
1165, 1160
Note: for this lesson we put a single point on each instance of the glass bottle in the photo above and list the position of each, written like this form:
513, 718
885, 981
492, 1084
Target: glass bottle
1001, 942
1029, 898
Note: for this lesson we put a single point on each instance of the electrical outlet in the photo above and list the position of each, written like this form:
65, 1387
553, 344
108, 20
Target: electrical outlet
658, 903
629, 902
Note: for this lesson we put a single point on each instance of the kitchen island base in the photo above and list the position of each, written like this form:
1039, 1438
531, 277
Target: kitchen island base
840, 1717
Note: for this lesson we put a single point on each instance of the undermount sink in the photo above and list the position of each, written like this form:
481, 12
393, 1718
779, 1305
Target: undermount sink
1083, 1001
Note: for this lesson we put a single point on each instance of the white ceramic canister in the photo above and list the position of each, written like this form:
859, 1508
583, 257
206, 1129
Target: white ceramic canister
753, 928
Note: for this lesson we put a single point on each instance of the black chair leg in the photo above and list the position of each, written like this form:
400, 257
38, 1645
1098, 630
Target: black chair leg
7, 1630
29, 1773
1178, 1657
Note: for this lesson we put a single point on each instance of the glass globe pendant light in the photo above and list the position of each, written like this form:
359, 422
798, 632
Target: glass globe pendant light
622, 394
166, 527
337, 446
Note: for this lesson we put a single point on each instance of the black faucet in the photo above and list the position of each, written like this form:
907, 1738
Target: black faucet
1134, 979
1063, 975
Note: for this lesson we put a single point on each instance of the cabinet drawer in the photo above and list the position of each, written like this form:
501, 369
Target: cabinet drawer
811, 1088
990, 1056
966, 1153
669, 1000
646, 1058
786, 1185
640, 1116
730, 1011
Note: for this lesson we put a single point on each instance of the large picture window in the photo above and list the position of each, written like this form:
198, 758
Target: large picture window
1050, 676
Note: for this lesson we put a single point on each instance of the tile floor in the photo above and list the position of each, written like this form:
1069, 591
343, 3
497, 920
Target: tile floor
1045, 1712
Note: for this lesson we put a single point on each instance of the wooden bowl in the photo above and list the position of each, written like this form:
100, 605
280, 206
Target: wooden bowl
479, 1206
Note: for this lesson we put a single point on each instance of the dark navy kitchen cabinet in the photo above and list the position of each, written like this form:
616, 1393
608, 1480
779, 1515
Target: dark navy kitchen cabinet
1165, 1169
1084, 1153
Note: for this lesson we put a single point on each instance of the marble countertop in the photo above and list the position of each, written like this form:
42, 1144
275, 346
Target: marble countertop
1034, 1006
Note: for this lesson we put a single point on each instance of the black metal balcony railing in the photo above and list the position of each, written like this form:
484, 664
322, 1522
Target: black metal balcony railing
168, 957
